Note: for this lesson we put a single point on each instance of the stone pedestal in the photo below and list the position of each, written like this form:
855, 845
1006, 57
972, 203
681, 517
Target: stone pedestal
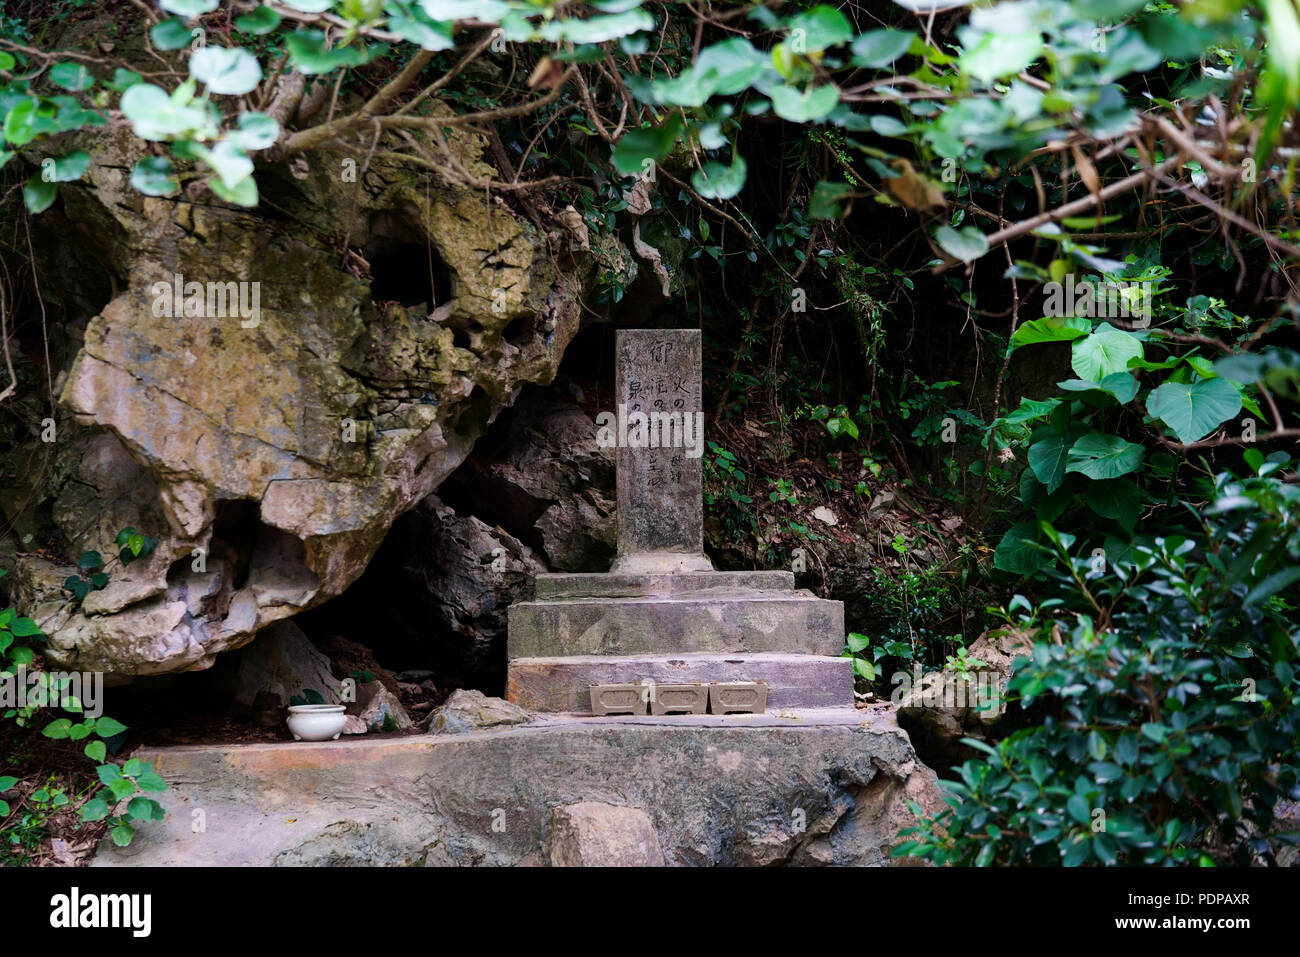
662, 614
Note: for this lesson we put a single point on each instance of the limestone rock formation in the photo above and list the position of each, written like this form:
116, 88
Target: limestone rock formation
346, 362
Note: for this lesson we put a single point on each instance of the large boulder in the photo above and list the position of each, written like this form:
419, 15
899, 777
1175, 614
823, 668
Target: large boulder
268, 449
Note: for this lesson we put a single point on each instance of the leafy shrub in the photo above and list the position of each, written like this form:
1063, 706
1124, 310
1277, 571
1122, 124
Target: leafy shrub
1166, 683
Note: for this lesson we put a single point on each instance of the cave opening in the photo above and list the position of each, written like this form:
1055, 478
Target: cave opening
404, 265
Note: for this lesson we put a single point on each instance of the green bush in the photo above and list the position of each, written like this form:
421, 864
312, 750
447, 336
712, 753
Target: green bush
1166, 686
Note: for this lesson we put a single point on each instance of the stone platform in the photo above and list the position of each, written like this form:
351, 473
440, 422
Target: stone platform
794, 681
672, 615
808, 787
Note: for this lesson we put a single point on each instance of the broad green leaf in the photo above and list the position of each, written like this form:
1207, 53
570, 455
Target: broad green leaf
1047, 458
244, 193
7, 781
227, 70
996, 55
1116, 498
65, 169
24, 628
877, 48
153, 176
1122, 385
1101, 456
645, 143
1016, 553
427, 34
1194, 409
71, 76
121, 834
96, 750
257, 131
189, 8
39, 195
155, 115
814, 30
108, 727
96, 809
1105, 352
1030, 410
966, 244
482, 10
716, 181
598, 29
259, 21
826, 197
172, 34
1050, 329
807, 106
307, 50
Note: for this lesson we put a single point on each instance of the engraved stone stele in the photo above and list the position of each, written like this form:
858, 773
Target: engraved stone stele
660, 480
662, 614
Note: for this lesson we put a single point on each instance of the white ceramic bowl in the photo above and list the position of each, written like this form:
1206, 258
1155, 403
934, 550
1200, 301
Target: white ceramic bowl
316, 722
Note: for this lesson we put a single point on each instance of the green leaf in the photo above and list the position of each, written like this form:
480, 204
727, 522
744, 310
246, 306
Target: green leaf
819, 28
645, 143
877, 48
1123, 386
307, 50
716, 181
484, 10
24, 628
856, 642
71, 76
426, 34
1101, 456
244, 193
7, 781
1048, 457
96, 809
1030, 410
1116, 498
122, 788
811, 105
171, 34
825, 201
1194, 409
155, 115
966, 244
1016, 552
108, 727
96, 750
57, 729
227, 70
598, 29
1050, 329
260, 21
122, 834
39, 195
151, 781
153, 176
1105, 352
996, 55
145, 809
188, 8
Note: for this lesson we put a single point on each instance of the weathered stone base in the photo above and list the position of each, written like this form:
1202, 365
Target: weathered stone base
818, 787
720, 621
794, 681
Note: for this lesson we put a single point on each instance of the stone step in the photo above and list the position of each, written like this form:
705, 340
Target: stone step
614, 585
741, 621
794, 681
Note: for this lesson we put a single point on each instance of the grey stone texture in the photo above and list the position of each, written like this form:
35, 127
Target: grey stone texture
814, 787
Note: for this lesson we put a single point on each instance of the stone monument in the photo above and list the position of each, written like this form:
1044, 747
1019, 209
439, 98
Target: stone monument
662, 614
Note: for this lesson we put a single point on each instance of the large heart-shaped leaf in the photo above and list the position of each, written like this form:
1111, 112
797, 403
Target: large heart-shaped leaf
1047, 457
1101, 456
1116, 498
1194, 409
1051, 329
1105, 352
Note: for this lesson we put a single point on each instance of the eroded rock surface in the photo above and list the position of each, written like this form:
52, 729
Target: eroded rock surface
268, 450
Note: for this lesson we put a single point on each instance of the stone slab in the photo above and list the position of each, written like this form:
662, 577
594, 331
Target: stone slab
660, 489
811, 787
597, 585
742, 621
794, 681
